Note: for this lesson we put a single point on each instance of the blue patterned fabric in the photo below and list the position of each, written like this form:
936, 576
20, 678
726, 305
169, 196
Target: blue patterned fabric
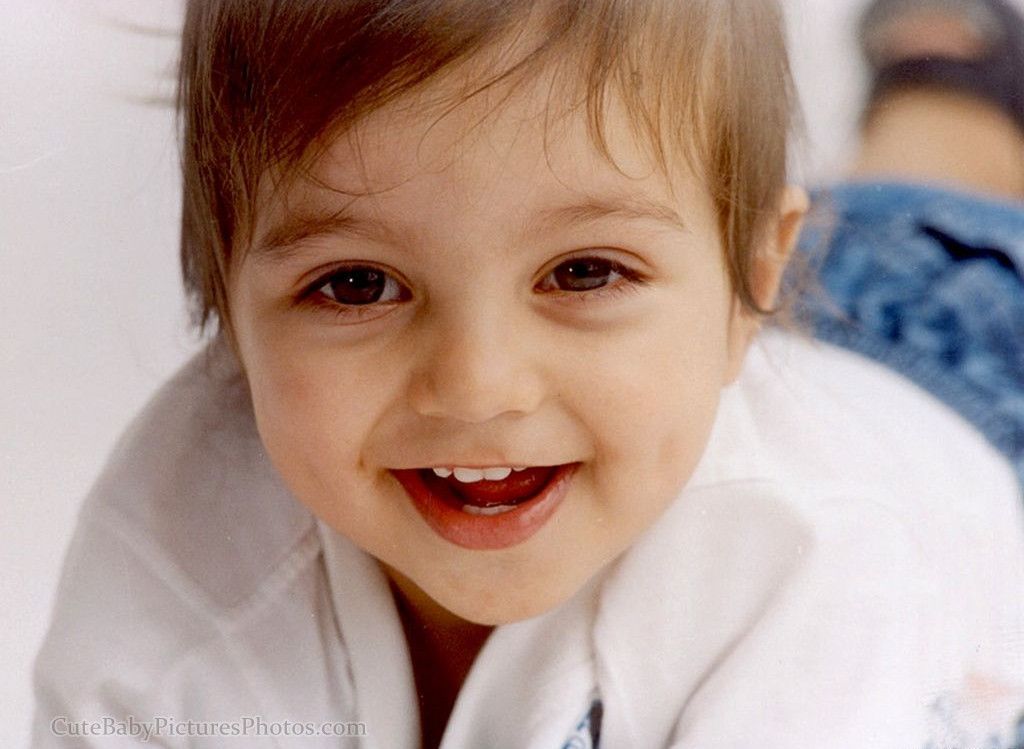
931, 283
587, 733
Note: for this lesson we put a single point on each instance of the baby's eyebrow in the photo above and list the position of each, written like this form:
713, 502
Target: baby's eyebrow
595, 208
281, 241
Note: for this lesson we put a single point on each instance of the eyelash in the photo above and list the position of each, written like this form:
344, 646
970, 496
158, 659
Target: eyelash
629, 281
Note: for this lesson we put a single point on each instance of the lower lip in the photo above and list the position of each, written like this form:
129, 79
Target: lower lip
481, 532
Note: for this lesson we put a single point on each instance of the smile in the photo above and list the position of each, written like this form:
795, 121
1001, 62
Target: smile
479, 512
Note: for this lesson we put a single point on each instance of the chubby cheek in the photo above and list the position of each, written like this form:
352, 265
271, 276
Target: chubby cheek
662, 393
313, 410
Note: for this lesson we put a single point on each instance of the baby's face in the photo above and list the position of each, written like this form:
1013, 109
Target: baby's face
494, 302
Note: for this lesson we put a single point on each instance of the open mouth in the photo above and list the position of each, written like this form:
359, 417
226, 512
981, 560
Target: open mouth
487, 513
489, 496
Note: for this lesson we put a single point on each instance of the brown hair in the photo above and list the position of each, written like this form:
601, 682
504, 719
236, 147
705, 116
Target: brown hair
263, 83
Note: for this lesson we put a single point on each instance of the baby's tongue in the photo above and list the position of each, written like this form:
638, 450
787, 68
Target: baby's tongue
518, 487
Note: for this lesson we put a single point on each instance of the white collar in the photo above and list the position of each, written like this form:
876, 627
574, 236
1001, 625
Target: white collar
527, 687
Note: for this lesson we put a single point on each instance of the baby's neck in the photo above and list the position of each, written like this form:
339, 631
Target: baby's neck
442, 648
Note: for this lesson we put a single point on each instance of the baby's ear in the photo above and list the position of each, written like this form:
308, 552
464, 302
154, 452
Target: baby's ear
766, 274
771, 261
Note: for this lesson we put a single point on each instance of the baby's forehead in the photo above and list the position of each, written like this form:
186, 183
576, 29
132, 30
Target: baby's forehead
409, 165
515, 139
522, 127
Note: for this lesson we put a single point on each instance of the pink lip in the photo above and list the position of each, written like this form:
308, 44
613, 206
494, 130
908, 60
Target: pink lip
481, 532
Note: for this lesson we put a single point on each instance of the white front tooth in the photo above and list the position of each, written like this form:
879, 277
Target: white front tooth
497, 474
442, 472
468, 475
518, 468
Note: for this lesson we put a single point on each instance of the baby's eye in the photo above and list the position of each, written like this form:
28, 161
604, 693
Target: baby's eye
359, 286
584, 274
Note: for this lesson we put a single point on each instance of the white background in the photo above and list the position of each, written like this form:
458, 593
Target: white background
91, 310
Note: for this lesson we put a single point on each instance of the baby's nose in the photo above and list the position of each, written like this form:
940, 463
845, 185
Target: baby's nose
477, 369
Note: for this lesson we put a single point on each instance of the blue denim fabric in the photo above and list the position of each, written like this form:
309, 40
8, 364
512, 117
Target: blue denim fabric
587, 734
931, 283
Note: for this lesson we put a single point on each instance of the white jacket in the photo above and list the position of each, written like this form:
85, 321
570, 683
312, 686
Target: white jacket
845, 569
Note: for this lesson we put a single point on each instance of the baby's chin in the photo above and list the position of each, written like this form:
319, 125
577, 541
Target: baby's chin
494, 607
